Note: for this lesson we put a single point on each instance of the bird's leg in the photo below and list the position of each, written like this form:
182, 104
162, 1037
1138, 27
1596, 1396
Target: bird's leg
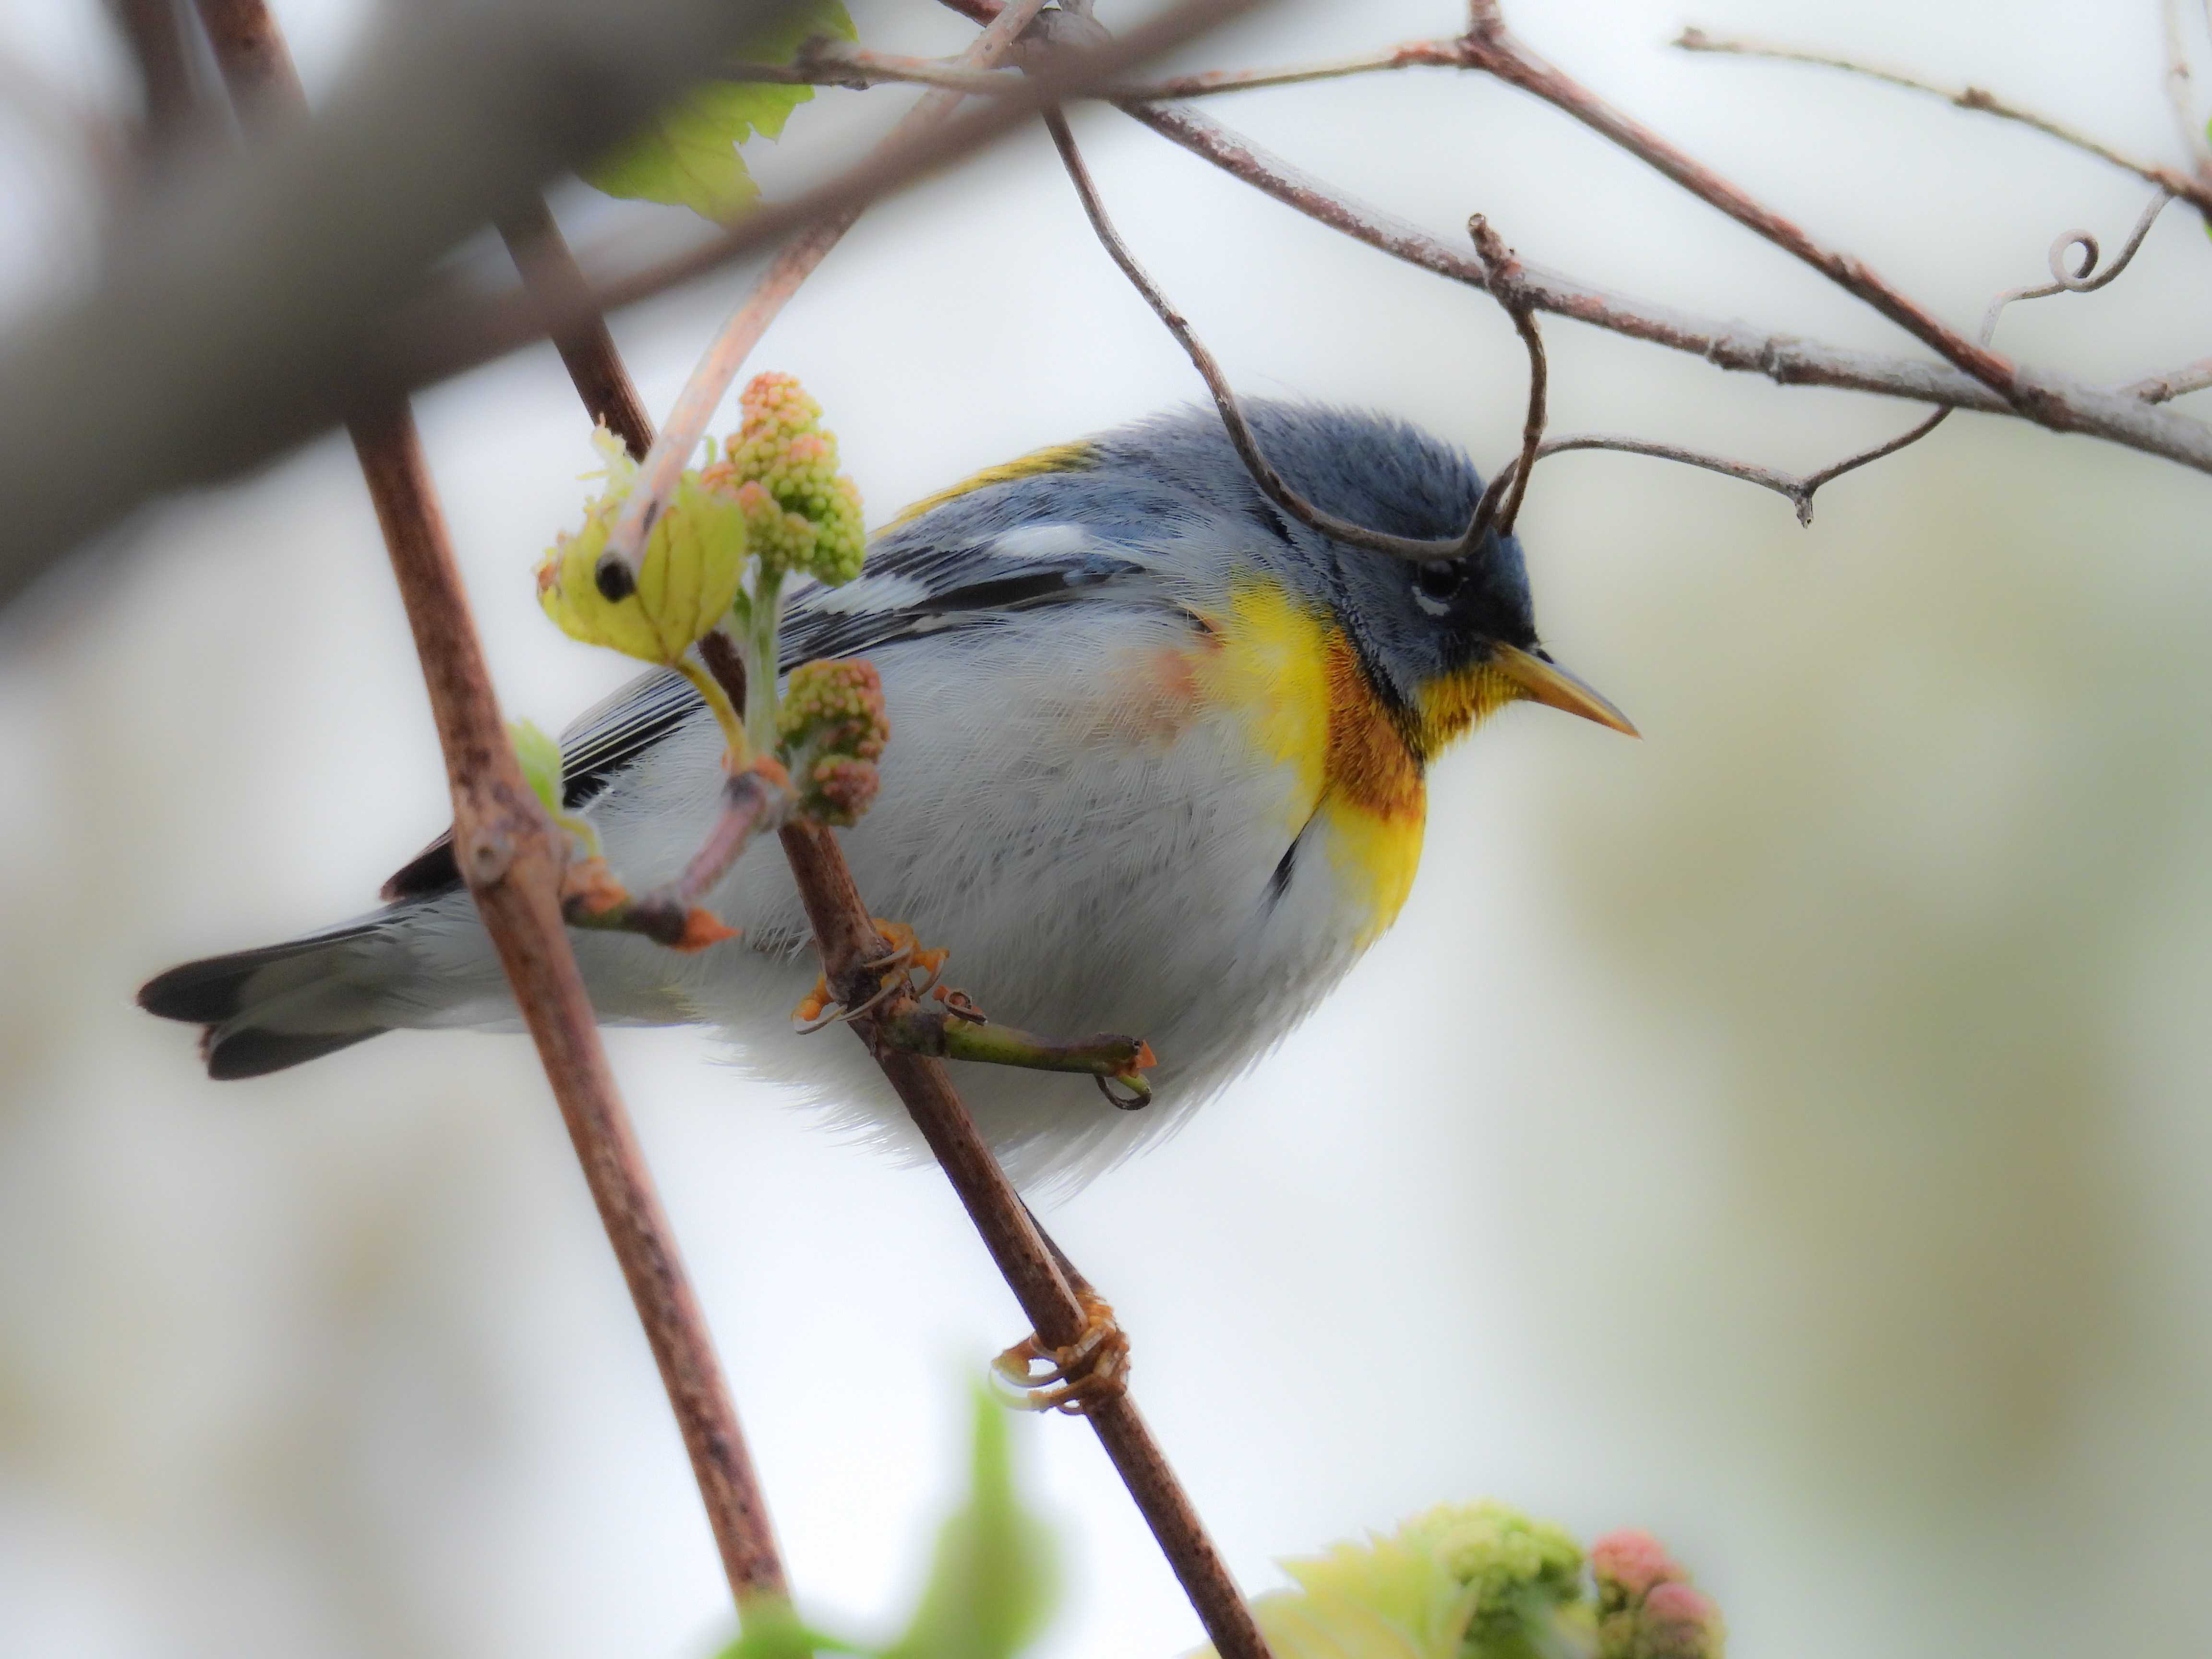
1086, 1373
932, 1018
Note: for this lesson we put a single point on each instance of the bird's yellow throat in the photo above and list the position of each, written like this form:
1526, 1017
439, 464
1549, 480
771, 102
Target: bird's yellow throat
1288, 670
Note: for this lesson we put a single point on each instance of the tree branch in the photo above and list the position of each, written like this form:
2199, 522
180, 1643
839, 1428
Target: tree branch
512, 858
2192, 190
2057, 401
554, 279
1490, 47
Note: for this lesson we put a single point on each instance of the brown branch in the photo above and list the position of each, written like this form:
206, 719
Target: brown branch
1489, 47
155, 29
578, 327
2059, 401
1052, 1300
2192, 190
512, 859
847, 939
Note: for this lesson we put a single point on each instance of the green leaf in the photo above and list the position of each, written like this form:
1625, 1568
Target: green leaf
993, 1582
773, 1631
687, 156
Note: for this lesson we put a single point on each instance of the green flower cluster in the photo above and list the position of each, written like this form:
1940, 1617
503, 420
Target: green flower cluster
832, 727
800, 513
1524, 1572
1484, 1580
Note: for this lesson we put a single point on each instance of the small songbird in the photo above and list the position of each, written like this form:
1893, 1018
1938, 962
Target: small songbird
1156, 766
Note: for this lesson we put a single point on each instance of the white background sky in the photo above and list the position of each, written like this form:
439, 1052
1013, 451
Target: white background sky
1786, 1133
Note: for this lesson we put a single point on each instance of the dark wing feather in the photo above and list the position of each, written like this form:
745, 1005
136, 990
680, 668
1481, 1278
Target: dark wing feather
935, 588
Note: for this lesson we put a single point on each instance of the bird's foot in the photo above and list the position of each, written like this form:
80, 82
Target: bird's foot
1080, 1377
932, 1018
894, 974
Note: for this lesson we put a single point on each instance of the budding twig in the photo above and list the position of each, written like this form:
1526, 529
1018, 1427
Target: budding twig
2174, 383
710, 380
2198, 194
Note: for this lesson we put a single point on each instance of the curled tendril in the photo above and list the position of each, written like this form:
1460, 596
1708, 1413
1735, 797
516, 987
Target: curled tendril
2085, 277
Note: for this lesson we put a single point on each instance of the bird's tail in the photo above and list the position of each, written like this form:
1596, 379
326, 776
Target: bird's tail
262, 1010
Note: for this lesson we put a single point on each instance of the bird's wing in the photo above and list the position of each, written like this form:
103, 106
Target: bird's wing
909, 588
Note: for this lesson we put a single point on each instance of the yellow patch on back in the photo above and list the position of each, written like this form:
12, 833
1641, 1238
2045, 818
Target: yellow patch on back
1061, 457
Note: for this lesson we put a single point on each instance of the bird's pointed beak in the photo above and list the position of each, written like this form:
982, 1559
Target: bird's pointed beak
1543, 681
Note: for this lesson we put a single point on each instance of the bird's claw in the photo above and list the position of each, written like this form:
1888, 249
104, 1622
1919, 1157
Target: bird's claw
1088, 1373
894, 972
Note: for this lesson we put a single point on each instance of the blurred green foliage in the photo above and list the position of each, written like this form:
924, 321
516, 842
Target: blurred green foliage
993, 1581
687, 156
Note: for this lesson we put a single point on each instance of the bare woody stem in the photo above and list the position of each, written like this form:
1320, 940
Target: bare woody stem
512, 859
2192, 190
578, 328
1489, 47
847, 939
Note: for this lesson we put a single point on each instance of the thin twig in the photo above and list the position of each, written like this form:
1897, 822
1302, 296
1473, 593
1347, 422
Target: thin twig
2180, 94
2174, 383
2084, 279
1798, 489
1272, 483
1504, 271
836, 63
2194, 191
2059, 401
1490, 47
512, 859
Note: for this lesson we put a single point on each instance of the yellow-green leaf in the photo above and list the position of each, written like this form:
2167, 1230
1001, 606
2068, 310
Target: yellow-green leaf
687, 155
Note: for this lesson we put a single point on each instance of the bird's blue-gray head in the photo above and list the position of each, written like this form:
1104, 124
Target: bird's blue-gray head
1441, 643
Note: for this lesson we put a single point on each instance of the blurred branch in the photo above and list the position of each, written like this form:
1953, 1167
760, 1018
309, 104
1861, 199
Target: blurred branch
711, 377
2174, 383
2197, 193
449, 330
513, 859
2180, 92
155, 29
255, 304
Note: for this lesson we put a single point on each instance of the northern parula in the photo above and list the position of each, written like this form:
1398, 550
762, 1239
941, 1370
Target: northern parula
1155, 766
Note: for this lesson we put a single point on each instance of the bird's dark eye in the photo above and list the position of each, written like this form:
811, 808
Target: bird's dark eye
1440, 579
